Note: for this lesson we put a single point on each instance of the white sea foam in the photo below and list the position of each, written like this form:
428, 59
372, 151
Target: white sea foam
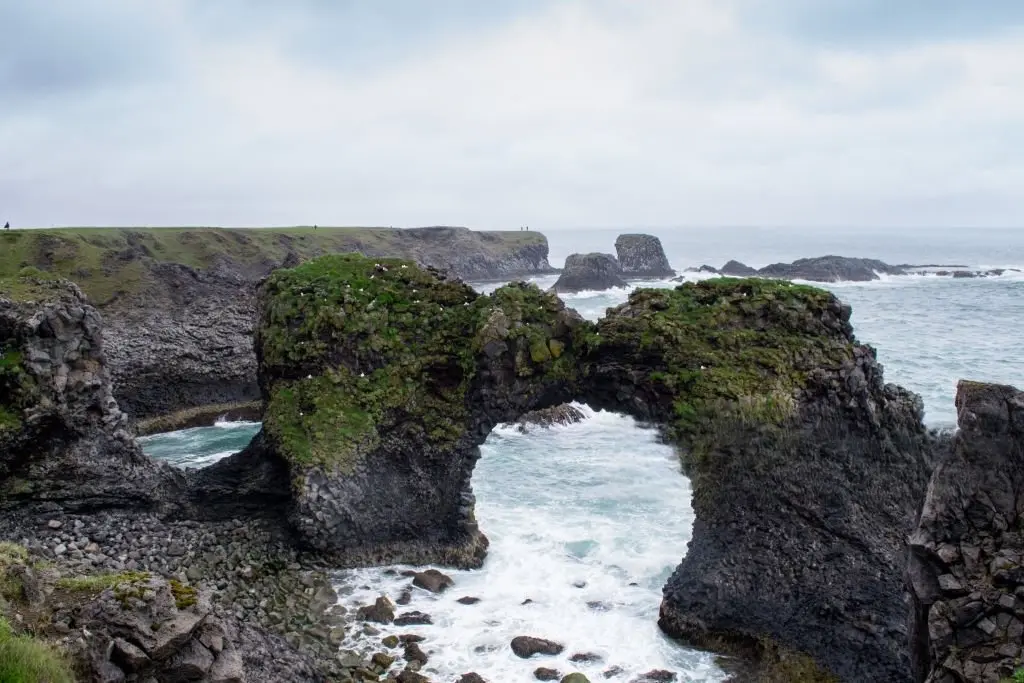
595, 512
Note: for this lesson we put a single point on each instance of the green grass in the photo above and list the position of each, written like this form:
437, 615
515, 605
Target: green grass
107, 262
24, 659
97, 583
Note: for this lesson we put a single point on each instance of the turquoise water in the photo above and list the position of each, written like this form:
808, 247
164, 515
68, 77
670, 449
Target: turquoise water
598, 513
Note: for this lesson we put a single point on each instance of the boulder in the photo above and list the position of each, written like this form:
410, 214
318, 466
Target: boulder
737, 269
564, 414
527, 646
589, 272
471, 677
642, 256
382, 611
543, 673
831, 269
432, 580
966, 567
142, 629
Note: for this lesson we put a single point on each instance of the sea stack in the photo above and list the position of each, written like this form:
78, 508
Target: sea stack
966, 567
594, 272
642, 256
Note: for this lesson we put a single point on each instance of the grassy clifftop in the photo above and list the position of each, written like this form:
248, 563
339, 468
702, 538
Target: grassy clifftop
106, 262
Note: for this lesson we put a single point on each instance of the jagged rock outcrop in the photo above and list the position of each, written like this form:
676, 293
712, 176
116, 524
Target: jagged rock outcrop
145, 626
737, 269
806, 468
642, 256
62, 437
830, 269
559, 415
966, 568
381, 381
589, 272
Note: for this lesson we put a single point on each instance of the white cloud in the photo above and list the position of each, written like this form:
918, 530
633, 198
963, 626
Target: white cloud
586, 113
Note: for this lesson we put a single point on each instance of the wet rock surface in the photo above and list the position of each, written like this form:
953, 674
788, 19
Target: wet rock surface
565, 414
589, 272
966, 567
528, 646
642, 256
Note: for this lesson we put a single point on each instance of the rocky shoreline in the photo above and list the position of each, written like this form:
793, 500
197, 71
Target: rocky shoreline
379, 375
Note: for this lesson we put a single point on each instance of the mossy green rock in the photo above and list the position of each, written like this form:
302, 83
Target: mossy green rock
381, 380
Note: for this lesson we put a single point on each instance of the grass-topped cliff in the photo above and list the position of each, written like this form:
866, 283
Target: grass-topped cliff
726, 348
351, 345
107, 262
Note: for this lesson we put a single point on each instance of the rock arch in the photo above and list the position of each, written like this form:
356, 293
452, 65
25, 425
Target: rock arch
381, 380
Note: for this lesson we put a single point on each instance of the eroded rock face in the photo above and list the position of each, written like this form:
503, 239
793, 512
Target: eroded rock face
761, 383
589, 272
642, 256
147, 627
381, 380
828, 461
966, 568
62, 437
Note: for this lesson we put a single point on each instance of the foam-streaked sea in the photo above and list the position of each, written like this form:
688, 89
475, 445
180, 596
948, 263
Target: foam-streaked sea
587, 521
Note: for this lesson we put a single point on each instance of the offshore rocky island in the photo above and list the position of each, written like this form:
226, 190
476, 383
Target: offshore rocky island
378, 378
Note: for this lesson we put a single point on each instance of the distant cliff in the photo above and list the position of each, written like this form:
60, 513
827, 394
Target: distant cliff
178, 303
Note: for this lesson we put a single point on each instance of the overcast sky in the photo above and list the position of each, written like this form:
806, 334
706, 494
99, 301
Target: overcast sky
497, 114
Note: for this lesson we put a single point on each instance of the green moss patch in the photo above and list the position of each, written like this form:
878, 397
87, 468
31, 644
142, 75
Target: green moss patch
725, 348
97, 583
17, 390
353, 348
184, 596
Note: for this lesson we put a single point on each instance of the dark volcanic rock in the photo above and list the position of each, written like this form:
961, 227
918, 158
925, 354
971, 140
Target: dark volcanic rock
564, 414
543, 673
737, 269
642, 256
966, 567
433, 581
830, 269
829, 464
527, 646
592, 271
142, 628
62, 435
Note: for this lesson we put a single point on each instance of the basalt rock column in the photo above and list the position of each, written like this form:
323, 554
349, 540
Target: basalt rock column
589, 272
63, 439
642, 256
966, 569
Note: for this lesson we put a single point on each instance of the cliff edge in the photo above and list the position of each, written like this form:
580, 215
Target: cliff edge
966, 569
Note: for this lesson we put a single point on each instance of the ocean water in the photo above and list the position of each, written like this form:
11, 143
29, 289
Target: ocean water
587, 521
